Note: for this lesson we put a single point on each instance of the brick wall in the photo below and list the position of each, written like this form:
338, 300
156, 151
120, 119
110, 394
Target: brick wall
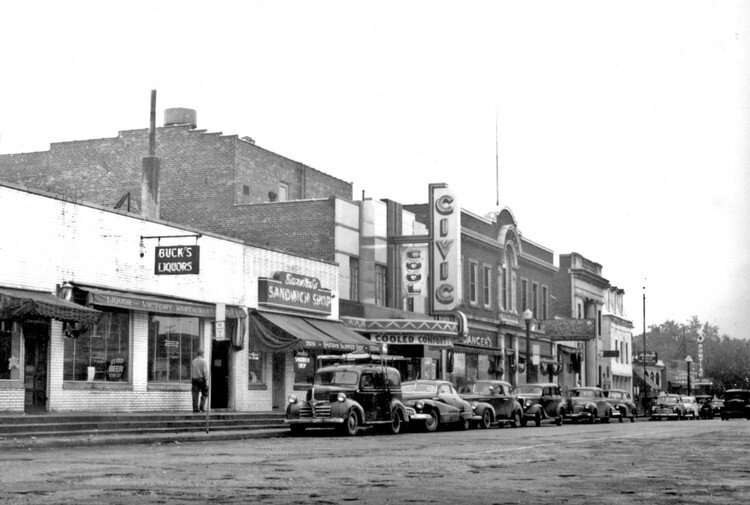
202, 174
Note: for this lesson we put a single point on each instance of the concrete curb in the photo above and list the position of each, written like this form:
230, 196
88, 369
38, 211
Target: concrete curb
145, 438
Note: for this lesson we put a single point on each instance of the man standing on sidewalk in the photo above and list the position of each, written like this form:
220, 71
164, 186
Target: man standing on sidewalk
199, 376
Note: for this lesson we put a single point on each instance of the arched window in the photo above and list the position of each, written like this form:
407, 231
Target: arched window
507, 300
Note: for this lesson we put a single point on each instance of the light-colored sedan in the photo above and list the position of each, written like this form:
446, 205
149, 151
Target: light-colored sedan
692, 407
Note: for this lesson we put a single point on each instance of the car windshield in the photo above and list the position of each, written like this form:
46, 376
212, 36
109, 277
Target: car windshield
614, 394
484, 387
336, 377
529, 390
668, 400
735, 396
688, 399
582, 393
419, 387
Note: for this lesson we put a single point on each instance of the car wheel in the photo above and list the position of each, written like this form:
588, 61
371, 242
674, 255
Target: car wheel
486, 421
524, 421
607, 418
517, 420
559, 419
395, 426
632, 419
464, 424
622, 417
351, 424
433, 422
296, 429
594, 417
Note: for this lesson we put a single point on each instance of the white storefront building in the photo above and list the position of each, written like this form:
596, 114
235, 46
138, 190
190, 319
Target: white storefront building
101, 310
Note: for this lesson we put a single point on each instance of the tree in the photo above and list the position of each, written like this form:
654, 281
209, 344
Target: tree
725, 360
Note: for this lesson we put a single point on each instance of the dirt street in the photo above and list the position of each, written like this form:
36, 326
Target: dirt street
706, 462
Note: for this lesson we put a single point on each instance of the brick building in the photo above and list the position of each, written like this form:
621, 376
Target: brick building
503, 274
615, 365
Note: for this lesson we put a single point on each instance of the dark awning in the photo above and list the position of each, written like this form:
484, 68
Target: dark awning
156, 304
476, 349
21, 303
281, 332
343, 334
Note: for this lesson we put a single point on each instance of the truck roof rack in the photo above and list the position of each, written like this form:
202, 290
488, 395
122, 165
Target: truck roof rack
357, 358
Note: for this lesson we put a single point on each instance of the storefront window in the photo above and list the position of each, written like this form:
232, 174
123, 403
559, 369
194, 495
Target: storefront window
10, 351
102, 353
304, 366
255, 364
172, 344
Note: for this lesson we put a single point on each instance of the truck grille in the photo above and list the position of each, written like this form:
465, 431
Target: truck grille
319, 409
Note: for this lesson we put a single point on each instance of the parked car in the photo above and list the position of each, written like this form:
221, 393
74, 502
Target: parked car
692, 408
736, 404
505, 408
541, 401
713, 408
440, 403
667, 407
622, 401
589, 404
348, 396
704, 406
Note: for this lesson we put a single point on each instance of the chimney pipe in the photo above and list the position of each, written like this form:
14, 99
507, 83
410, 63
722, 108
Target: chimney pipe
150, 173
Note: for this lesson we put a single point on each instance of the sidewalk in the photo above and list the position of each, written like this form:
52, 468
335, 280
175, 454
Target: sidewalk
29, 443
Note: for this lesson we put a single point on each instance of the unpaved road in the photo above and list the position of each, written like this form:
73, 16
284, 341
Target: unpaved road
703, 462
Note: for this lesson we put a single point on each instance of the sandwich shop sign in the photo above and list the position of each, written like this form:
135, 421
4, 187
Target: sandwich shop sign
292, 291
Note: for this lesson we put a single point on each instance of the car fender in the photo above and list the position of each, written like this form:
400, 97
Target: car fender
339, 409
532, 410
448, 413
482, 407
397, 406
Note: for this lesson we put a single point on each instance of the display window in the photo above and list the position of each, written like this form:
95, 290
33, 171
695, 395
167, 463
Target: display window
10, 351
172, 344
100, 352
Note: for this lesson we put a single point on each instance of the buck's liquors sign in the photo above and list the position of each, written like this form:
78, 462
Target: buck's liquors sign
177, 260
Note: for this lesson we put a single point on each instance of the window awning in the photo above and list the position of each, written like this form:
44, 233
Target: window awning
476, 349
20, 304
281, 332
156, 304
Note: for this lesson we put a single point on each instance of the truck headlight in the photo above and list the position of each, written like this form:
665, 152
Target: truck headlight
341, 397
419, 405
292, 399
527, 404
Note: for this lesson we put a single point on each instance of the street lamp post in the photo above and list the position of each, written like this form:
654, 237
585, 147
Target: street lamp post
527, 316
688, 360
645, 372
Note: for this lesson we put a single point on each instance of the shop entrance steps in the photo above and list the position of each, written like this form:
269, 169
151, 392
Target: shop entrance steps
76, 424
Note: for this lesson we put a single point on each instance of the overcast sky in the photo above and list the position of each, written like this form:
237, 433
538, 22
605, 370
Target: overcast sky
622, 127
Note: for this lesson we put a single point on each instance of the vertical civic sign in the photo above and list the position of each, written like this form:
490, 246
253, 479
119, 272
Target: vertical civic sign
445, 249
414, 269
700, 356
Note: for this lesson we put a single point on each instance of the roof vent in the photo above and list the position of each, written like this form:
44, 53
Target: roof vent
248, 139
180, 116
